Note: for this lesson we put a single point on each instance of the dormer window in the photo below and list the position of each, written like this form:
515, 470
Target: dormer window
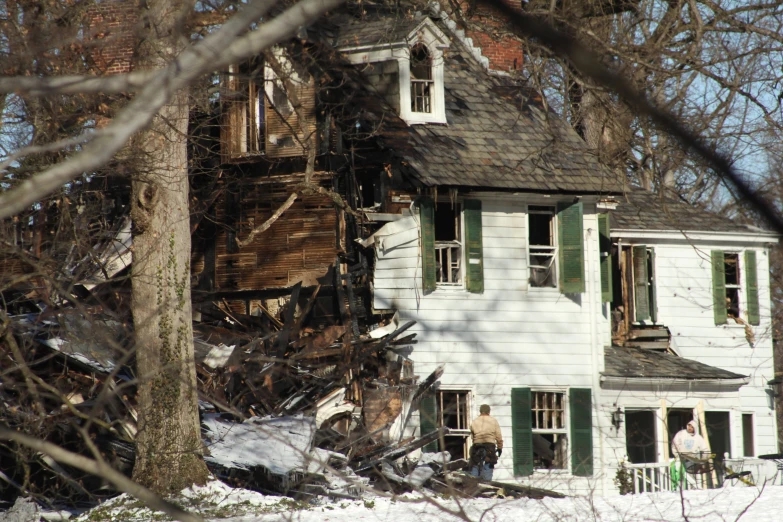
422, 82
407, 72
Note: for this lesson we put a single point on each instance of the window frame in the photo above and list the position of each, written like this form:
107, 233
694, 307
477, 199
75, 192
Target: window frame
555, 253
739, 287
752, 416
465, 432
565, 430
459, 244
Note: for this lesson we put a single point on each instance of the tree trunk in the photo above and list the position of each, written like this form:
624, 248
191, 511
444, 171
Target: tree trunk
169, 447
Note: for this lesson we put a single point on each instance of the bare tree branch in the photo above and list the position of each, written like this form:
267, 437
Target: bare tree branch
588, 64
101, 469
76, 84
268, 223
215, 51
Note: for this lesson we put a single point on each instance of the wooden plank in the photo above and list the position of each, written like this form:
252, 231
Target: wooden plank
658, 345
636, 334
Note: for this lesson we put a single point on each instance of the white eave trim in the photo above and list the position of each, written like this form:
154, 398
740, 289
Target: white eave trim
698, 235
657, 381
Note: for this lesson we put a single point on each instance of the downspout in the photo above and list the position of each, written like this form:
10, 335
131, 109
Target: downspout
595, 349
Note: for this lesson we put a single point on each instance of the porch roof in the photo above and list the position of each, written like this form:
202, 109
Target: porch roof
630, 363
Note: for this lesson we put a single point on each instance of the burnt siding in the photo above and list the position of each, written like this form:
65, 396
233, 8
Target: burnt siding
299, 246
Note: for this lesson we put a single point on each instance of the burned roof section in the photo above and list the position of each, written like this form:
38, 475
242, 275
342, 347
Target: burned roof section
638, 363
497, 136
639, 210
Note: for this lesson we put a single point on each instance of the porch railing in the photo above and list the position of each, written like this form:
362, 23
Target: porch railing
650, 477
656, 476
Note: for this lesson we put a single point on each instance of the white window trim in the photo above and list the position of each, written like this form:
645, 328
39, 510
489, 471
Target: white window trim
436, 41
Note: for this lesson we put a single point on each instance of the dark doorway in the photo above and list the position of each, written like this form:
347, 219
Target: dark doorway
719, 432
676, 420
640, 435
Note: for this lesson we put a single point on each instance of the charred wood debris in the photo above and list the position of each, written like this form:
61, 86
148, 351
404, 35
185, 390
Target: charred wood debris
290, 404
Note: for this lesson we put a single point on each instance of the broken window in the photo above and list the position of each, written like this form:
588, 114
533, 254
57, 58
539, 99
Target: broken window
422, 82
242, 98
640, 436
550, 436
259, 115
454, 413
729, 299
732, 277
448, 244
542, 246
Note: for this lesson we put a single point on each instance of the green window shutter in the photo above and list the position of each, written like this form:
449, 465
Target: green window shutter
581, 412
605, 247
640, 283
653, 282
428, 267
719, 287
474, 251
428, 421
521, 431
752, 283
571, 246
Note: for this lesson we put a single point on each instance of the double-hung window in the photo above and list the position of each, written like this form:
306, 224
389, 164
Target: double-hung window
542, 241
550, 436
448, 409
735, 287
451, 245
422, 80
552, 430
555, 241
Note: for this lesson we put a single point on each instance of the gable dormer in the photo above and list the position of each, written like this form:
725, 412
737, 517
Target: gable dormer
404, 63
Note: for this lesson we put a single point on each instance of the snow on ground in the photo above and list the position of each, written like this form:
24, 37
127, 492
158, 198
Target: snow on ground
217, 501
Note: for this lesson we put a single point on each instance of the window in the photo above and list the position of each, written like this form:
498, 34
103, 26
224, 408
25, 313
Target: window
718, 426
550, 437
729, 300
445, 244
543, 247
259, 117
243, 100
748, 445
422, 82
640, 436
731, 271
546, 429
450, 409
448, 247
556, 247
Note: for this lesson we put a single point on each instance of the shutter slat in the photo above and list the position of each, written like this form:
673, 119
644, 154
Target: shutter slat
640, 282
521, 431
474, 253
571, 246
719, 287
605, 248
427, 213
581, 431
428, 422
752, 293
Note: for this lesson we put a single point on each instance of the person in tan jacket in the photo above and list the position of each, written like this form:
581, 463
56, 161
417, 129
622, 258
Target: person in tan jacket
487, 444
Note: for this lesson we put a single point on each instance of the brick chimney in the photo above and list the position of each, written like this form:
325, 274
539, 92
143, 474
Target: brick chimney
489, 30
110, 35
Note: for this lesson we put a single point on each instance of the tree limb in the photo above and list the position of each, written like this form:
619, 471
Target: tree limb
217, 50
76, 84
101, 469
268, 223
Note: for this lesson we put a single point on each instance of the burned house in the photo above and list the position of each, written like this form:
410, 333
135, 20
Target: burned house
382, 207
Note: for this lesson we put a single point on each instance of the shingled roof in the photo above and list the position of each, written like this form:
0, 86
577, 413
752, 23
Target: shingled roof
495, 137
646, 211
631, 363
